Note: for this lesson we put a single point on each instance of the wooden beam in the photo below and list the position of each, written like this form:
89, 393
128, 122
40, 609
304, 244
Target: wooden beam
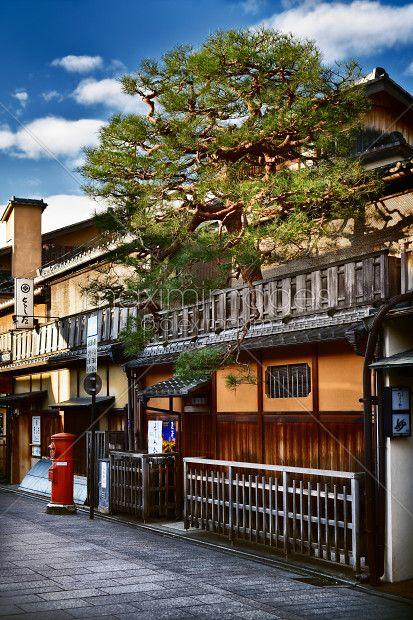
260, 410
315, 396
214, 438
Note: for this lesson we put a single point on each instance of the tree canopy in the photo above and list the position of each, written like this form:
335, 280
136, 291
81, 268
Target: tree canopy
241, 159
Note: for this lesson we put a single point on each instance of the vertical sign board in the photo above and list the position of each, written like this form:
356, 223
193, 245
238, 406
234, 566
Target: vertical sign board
155, 436
91, 372
397, 411
23, 303
92, 344
36, 436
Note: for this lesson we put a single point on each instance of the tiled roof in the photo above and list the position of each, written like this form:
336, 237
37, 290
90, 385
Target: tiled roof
172, 387
165, 355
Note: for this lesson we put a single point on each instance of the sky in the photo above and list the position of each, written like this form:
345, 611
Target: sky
62, 60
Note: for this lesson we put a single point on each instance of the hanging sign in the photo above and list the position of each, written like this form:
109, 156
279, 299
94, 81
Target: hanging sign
154, 436
397, 411
36, 436
23, 303
92, 344
168, 436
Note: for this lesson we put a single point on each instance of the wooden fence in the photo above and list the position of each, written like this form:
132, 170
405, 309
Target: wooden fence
104, 441
143, 485
296, 510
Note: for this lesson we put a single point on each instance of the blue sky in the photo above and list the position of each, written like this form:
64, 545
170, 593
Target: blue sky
61, 60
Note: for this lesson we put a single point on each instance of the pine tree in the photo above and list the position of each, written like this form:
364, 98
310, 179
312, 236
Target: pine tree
242, 159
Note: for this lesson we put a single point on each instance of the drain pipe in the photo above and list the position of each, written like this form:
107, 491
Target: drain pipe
370, 484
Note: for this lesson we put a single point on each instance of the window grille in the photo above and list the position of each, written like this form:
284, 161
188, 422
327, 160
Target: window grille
289, 381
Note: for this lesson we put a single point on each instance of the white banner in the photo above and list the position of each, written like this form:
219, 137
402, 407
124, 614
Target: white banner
154, 436
36, 434
92, 344
23, 303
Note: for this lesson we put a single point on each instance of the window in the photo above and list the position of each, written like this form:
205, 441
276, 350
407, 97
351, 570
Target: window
289, 381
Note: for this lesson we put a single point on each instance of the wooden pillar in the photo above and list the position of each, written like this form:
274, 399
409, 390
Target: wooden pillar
214, 437
260, 417
316, 398
8, 455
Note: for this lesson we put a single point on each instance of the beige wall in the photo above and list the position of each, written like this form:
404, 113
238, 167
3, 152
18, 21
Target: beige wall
242, 399
56, 382
68, 297
118, 383
340, 373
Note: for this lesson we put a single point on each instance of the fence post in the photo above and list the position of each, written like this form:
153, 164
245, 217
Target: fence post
230, 492
285, 511
186, 521
355, 524
145, 487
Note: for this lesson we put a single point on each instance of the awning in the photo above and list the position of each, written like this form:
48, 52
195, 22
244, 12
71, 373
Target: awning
83, 402
399, 360
22, 398
172, 387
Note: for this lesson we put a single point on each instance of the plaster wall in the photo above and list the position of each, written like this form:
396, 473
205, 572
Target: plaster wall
68, 297
399, 467
239, 400
340, 376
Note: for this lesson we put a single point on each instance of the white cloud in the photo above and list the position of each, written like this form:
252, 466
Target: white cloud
52, 94
62, 210
342, 30
107, 92
50, 136
66, 209
409, 69
252, 7
116, 67
22, 96
78, 64
6, 137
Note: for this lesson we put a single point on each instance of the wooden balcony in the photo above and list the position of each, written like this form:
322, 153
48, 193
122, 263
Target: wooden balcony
365, 281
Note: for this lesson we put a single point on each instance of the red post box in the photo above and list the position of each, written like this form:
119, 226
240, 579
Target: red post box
61, 474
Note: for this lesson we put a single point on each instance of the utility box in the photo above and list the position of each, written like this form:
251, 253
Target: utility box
104, 486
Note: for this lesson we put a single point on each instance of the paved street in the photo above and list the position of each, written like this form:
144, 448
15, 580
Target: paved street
68, 567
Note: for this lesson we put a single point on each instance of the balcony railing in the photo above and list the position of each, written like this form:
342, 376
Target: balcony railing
339, 286
368, 280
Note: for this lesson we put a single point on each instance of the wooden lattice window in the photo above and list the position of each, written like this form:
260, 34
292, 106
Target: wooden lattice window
288, 381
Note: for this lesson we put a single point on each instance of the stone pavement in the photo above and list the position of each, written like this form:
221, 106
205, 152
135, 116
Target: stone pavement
69, 567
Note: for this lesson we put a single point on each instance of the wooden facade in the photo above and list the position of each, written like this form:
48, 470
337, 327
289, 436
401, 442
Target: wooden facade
323, 430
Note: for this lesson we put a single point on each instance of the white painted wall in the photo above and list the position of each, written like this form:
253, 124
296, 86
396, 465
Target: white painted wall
399, 469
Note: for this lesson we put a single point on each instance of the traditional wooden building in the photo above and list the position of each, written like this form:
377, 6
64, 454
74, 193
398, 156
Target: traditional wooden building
42, 369
306, 352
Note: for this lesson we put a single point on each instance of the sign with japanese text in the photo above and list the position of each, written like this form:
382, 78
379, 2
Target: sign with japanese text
154, 436
169, 436
401, 425
36, 430
161, 436
397, 411
36, 436
23, 303
92, 345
